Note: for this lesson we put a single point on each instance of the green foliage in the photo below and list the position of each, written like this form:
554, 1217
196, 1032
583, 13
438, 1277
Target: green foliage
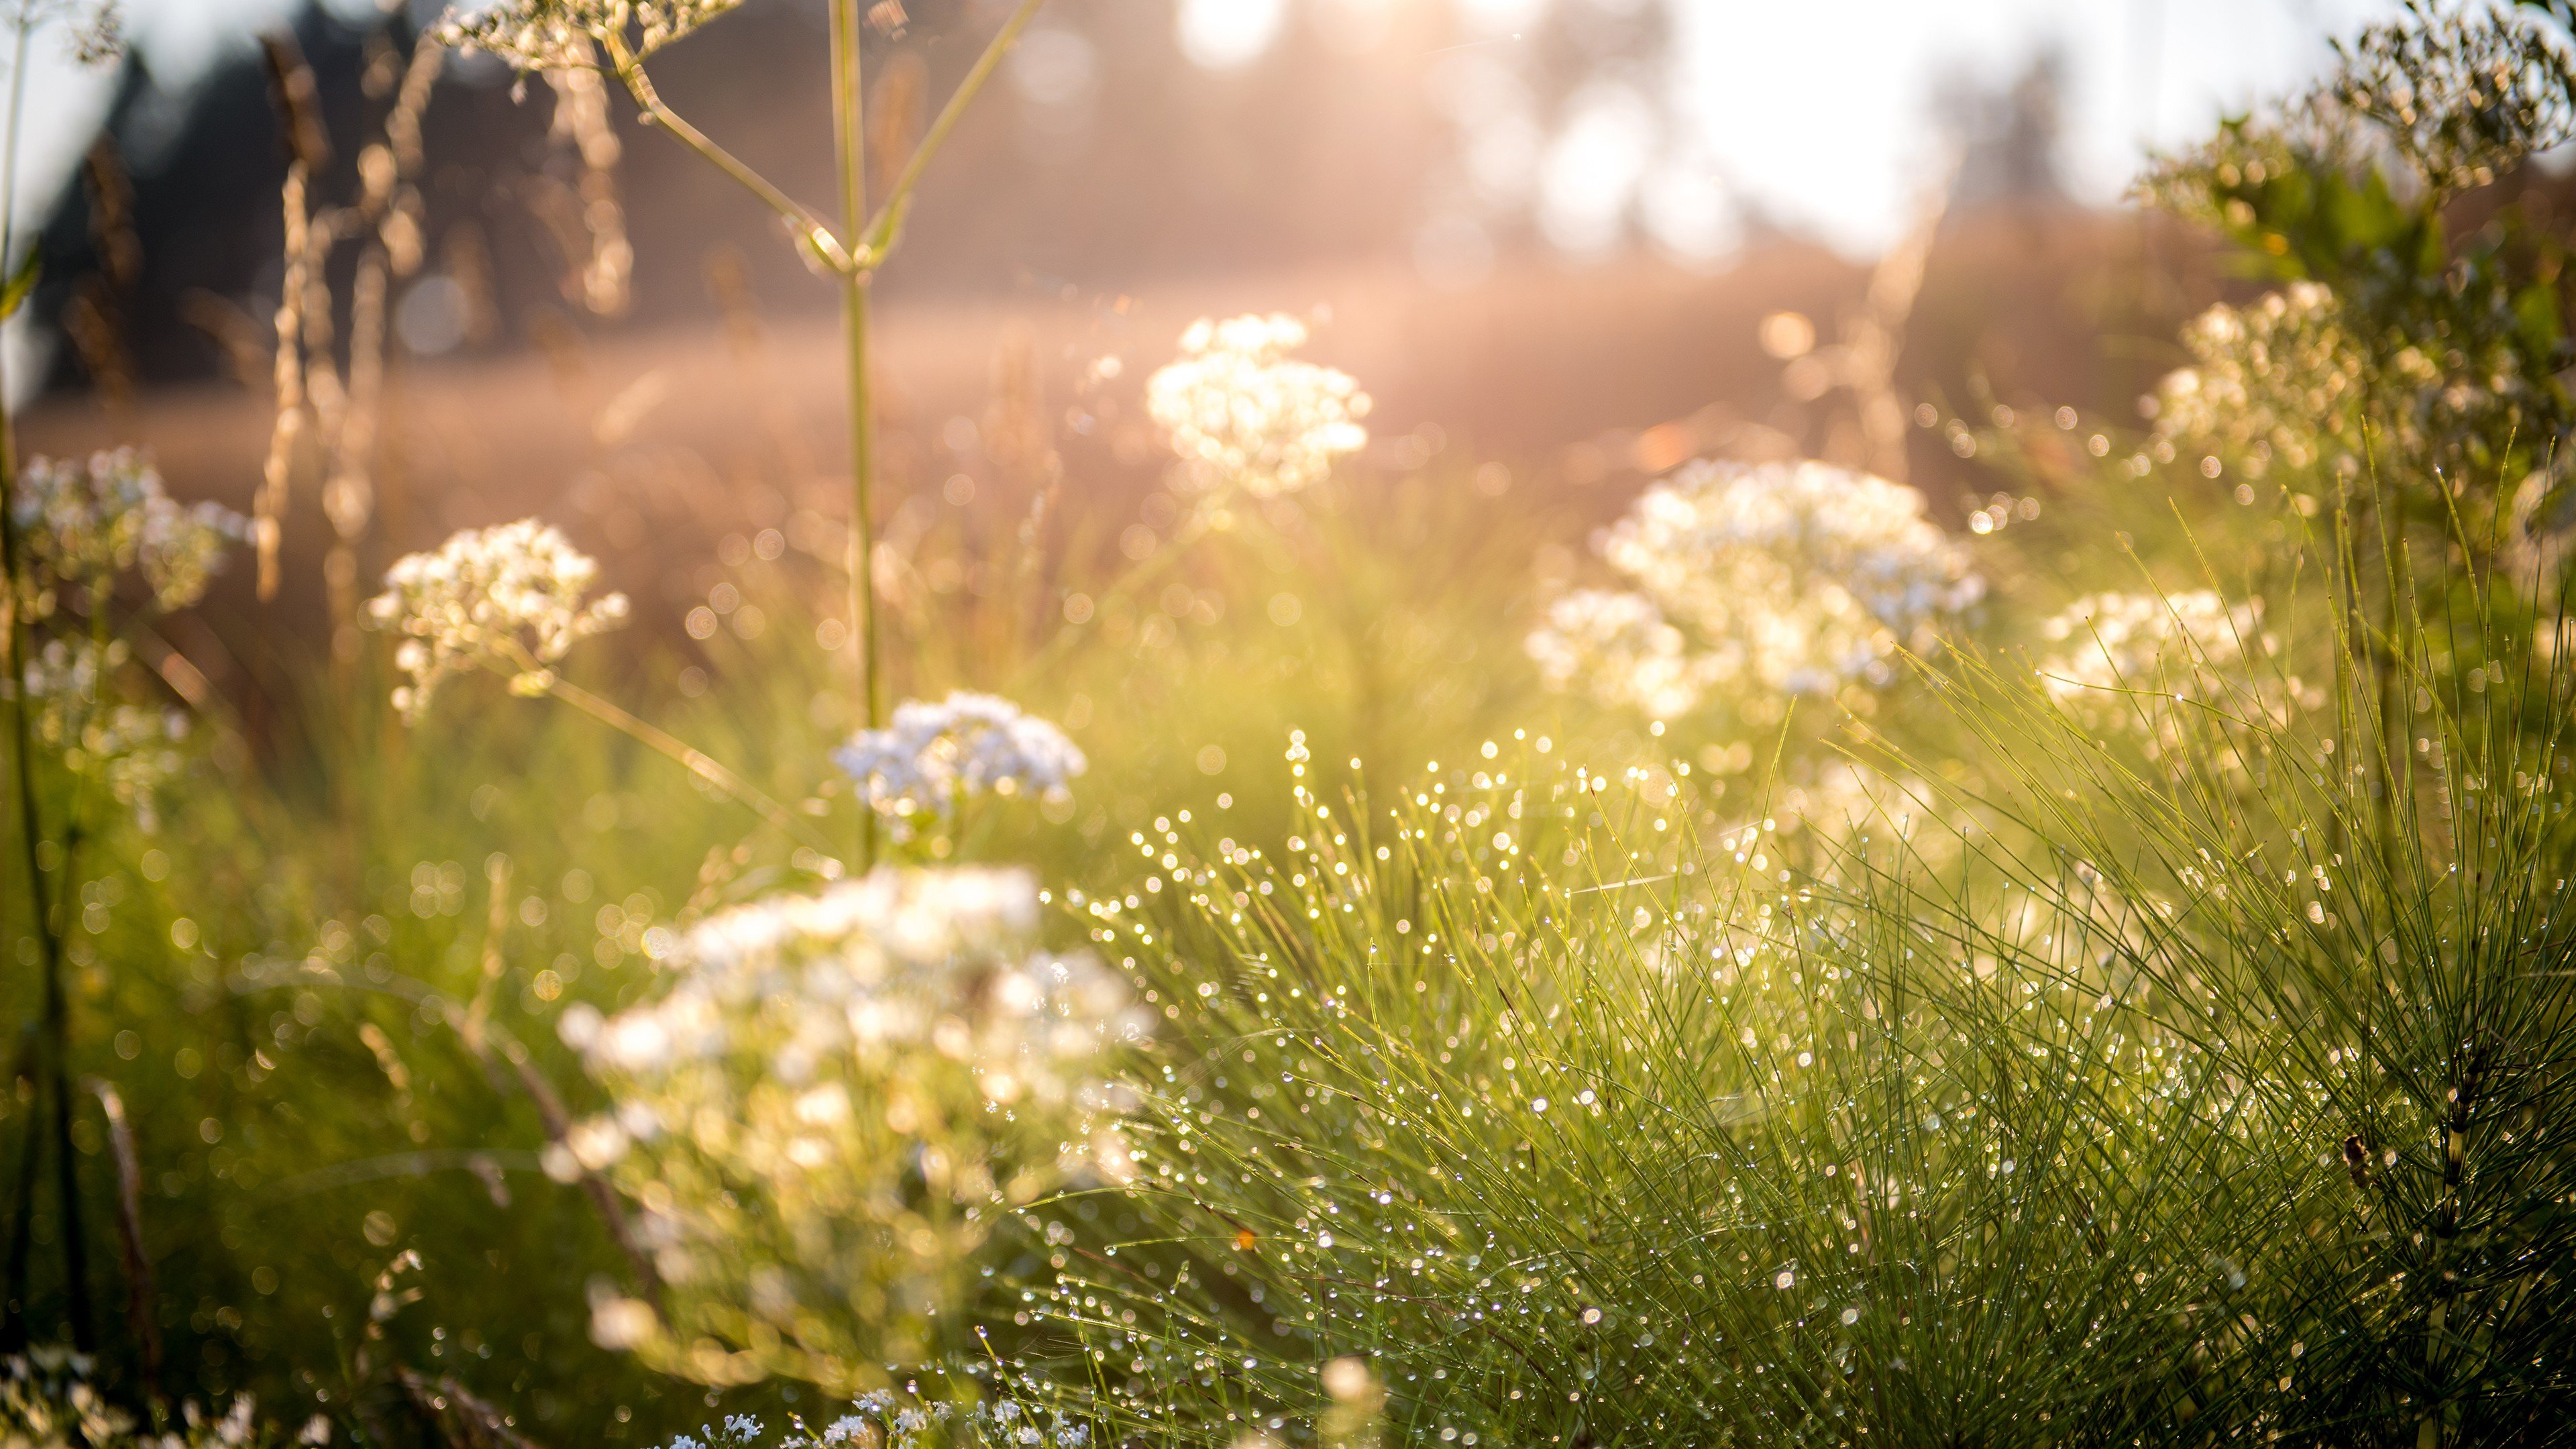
2138, 1017
2383, 186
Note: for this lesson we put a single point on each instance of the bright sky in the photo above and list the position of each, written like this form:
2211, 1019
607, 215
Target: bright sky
1819, 109
1815, 109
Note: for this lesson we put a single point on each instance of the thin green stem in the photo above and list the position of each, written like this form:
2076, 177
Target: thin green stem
849, 137
810, 230
57, 1005
873, 244
695, 761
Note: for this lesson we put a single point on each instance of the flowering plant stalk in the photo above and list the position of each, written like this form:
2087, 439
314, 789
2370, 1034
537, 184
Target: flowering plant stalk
94, 37
555, 35
79, 531
510, 600
834, 1105
1246, 419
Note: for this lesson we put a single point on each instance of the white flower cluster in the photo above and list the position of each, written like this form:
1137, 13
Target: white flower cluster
828, 1081
2161, 643
1622, 643
558, 34
2278, 381
871, 968
47, 1401
932, 757
132, 749
885, 1421
1242, 413
1777, 578
2122, 661
2285, 382
86, 522
508, 599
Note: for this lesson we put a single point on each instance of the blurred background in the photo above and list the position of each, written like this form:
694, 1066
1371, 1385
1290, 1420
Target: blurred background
1575, 240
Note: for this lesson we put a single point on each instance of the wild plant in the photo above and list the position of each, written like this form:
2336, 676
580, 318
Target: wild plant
2368, 952
923, 770
2190, 1067
1763, 582
1020, 1413
1246, 416
1252, 427
2419, 335
824, 1113
93, 34
98, 551
616, 38
320, 405
48, 1401
1605, 1124
509, 600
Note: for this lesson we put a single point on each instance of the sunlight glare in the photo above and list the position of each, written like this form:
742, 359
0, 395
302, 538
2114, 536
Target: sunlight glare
1225, 34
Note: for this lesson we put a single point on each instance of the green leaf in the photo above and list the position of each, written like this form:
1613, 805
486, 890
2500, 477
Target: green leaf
22, 282
2535, 314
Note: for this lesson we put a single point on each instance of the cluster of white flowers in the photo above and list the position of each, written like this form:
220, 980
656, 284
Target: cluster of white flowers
2278, 381
2284, 382
2159, 643
507, 599
2122, 659
47, 1401
1620, 645
829, 1079
932, 757
1782, 578
1242, 413
86, 522
885, 1421
893, 962
559, 34
74, 712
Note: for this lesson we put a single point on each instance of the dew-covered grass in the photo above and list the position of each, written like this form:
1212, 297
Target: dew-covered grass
2088, 966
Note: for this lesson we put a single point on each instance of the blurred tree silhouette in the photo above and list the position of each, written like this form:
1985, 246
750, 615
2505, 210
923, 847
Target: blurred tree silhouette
1363, 131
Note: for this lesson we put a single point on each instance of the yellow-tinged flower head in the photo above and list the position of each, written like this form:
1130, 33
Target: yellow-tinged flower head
1242, 412
559, 34
508, 599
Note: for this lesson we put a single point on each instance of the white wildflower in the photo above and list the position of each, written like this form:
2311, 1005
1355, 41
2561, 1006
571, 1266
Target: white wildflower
2287, 382
75, 713
1242, 413
2278, 381
508, 599
933, 757
1778, 578
1619, 647
2161, 642
559, 34
816, 1063
2123, 661
85, 523
870, 965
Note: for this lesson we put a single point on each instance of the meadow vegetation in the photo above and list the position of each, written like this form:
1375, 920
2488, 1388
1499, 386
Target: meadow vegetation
2091, 967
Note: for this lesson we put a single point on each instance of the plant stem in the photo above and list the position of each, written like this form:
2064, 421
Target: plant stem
849, 138
854, 255
810, 229
695, 761
140, 1292
57, 1007
879, 238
